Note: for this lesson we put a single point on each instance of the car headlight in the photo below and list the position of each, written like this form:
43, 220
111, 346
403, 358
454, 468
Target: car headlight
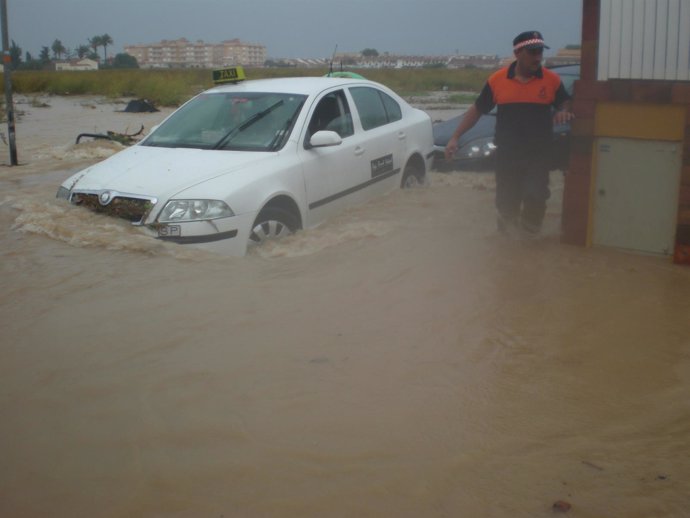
194, 210
63, 193
482, 148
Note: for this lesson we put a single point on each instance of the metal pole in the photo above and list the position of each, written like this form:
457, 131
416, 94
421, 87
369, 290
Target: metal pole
7, 71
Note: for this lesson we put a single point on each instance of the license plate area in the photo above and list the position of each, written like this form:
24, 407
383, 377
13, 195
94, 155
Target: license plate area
169, 231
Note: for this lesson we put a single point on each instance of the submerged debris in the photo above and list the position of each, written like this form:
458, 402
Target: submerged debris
123, 138
561, 506
140, 106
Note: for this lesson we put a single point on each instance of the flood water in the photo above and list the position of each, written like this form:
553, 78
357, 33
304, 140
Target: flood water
399, 361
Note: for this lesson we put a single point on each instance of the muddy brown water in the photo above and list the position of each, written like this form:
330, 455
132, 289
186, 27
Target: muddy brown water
400, 361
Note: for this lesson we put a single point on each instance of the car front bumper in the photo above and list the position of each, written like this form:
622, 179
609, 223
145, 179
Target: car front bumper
228, 236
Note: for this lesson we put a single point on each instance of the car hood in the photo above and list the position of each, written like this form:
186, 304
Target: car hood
484, 128
162, 172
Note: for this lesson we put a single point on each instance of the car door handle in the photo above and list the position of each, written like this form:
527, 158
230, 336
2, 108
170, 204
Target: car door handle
359, 151
402, 135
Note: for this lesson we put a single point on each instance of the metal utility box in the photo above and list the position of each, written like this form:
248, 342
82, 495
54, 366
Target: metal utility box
635, 199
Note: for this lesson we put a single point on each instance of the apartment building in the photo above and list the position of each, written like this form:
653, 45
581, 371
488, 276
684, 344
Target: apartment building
182, 53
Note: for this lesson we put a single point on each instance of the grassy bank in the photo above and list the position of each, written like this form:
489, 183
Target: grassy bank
172, 87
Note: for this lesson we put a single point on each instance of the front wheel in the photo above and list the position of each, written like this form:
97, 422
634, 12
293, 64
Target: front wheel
272, 223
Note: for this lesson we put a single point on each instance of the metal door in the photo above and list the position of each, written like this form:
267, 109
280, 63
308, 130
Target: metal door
636, 196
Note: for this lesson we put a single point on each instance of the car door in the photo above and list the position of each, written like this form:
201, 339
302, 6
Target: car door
384, 137
331, 173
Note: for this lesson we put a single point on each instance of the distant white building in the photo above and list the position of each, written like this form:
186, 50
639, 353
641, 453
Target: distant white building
77, 64
567, 56
399, 61
396, 61
182, 53
474, 61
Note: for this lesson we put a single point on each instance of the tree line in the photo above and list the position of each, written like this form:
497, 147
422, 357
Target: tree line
57, 52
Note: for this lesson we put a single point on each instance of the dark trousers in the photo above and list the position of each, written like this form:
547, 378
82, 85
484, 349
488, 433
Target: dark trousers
522, 187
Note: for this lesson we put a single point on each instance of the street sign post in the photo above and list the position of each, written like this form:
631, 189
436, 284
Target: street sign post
7, 73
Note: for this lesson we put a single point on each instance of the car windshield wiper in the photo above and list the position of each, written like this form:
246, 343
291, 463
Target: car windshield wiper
282, 133
251, 120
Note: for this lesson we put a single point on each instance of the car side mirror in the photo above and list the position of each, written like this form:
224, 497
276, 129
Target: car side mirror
325, 139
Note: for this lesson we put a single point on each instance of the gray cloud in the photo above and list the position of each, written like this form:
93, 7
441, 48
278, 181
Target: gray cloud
300, 28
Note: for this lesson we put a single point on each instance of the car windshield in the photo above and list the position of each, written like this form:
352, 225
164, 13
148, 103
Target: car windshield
240, 121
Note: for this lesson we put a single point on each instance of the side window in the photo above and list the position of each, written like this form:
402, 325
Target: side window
332, 113
392, 107
372, 113
375, 108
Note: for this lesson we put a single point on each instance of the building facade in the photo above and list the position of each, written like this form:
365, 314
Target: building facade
182, 53
77, 64
568, 56
628, 181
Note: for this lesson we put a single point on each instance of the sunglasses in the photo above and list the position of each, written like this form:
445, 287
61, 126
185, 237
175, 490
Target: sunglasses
535, 52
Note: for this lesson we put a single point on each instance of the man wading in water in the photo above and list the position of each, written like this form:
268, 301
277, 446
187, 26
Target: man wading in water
525, 94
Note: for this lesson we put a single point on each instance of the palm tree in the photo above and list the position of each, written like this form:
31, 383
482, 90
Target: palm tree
83, 50
44, 56
105, 41
95, 42
58, 49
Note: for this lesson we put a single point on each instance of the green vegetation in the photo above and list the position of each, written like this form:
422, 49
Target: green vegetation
462, 98
164, 88
407, 81
172, 87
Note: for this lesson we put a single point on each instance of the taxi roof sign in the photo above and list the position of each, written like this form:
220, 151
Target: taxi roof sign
228, 75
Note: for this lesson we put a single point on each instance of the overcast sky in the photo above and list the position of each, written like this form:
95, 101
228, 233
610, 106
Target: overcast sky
300, 28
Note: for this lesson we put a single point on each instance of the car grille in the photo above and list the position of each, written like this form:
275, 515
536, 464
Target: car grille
125, 207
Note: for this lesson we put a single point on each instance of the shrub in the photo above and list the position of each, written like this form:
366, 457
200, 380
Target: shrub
173, 87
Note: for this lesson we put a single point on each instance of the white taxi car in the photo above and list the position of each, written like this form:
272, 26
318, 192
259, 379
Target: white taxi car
253, 160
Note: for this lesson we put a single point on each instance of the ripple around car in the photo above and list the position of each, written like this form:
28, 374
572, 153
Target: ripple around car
255, 160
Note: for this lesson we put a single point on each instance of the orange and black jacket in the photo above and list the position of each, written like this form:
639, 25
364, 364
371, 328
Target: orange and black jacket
525, 110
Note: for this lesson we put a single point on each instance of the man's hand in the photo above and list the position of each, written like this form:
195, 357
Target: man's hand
563, 116
451, 148
468, 120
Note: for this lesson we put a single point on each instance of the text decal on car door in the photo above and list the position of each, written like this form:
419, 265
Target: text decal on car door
381, 165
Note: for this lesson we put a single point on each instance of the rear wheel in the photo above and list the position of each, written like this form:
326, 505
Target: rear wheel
413, 175
272, 223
